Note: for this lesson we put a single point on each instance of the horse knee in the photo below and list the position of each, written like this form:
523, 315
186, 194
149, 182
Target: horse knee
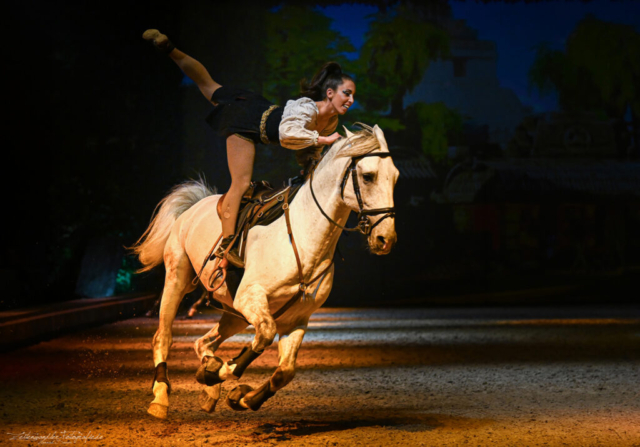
206, 344
265, 333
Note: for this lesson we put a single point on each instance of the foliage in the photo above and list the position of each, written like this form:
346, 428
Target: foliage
397, 51
437, 123
126, 276
299, 41
599, 70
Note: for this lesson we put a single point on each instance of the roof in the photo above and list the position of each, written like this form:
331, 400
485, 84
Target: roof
412, 164
524, 179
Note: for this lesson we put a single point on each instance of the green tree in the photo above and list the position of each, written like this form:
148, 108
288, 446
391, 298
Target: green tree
299, 40
437, 123
398, 49
598, 71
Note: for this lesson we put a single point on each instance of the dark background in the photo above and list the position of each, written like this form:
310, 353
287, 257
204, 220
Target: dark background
101, 126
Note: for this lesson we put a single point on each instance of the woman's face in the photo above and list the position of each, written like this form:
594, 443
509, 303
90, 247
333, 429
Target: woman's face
342, 98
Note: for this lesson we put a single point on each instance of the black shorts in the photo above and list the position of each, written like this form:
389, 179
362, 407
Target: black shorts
240, 112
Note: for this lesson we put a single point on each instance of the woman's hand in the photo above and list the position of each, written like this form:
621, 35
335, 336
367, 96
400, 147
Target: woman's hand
323, 141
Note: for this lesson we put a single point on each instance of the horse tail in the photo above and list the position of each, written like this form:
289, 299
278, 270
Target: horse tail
150, 247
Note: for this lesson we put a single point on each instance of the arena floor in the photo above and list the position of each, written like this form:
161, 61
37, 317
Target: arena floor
383, 377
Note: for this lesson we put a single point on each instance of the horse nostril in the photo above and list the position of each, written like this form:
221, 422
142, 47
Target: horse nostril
382, 240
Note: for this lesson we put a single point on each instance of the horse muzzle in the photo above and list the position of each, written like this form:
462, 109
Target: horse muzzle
383, 238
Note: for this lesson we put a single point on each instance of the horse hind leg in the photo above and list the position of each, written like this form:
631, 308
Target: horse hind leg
179, 275
244, 397
206, 348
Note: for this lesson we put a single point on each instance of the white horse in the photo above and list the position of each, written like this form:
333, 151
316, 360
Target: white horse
186, 226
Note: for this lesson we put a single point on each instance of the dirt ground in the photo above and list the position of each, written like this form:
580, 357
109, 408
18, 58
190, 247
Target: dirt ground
431, 377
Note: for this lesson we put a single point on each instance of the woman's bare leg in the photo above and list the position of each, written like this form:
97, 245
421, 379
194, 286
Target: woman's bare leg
189, 66
196, 71
240, 155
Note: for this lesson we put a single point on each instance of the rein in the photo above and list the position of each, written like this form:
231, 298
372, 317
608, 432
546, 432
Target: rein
363, 226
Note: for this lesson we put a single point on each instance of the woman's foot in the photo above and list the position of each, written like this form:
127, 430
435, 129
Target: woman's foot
232, 254
159, 40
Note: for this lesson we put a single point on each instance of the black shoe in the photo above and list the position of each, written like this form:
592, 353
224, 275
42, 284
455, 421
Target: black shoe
232, 256
159, 40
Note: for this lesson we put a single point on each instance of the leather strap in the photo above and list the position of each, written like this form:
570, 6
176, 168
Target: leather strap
285, 207
219, 205
303, 285
277, 314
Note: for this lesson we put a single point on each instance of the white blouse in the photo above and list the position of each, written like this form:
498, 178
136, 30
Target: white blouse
299, 122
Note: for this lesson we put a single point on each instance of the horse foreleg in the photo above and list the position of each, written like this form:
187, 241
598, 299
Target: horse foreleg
242, 398
253, 305
179, 274
206, 348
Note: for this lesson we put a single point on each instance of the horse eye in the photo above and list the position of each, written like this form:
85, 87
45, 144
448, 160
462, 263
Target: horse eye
368, 178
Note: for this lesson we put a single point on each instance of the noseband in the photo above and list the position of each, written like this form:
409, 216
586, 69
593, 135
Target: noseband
364, 226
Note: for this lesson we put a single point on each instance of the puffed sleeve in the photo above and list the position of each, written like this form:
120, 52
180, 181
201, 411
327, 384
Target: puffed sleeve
297, 127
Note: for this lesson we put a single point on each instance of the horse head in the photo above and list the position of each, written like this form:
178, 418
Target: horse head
367, 186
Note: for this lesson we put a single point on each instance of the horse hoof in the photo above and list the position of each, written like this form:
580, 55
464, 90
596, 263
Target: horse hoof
257, 397
235, 395
209, 398
158, 411
207, 374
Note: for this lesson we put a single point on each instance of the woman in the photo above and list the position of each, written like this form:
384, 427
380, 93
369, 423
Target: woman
245, 118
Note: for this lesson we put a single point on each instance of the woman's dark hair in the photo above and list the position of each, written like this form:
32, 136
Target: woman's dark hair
329, 76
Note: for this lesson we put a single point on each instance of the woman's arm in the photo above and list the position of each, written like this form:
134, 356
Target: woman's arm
323, 141
294, 130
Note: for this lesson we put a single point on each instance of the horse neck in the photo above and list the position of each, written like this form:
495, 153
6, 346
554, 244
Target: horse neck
315, 235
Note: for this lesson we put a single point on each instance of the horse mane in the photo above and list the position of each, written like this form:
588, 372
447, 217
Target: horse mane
360, 143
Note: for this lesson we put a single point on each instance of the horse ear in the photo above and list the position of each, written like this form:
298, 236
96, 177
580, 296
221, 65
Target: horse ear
348, 132
380, 136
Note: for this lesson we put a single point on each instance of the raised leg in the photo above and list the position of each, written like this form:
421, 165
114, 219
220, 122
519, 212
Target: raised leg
206, 348
228, 326
209, 372
196, 72
179, 274
252, 303
189, 66
243, 398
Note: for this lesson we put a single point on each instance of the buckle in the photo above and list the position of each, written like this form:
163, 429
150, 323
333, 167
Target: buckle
364, 225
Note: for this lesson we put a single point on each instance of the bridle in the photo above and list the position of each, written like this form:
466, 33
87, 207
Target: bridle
364, 226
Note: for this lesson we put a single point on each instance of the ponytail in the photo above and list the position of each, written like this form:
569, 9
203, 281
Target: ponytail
330, 76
